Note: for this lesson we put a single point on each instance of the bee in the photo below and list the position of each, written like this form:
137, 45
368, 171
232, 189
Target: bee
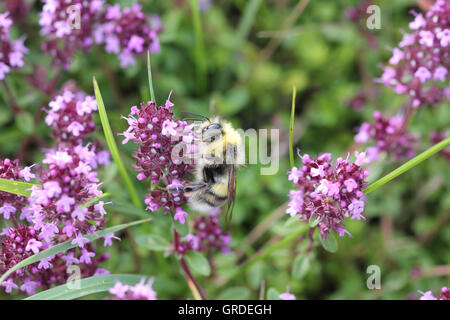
221, 152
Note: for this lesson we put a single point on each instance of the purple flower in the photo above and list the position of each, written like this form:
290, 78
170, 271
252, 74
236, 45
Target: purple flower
389, 135
444, 295
70, 117
80, 240
423, 58
141, 291
423, 74
11, 51
62, 39
157, 133
331, 191
9, 285
128, 32
108, 239
33, 245
180, 215
286, 295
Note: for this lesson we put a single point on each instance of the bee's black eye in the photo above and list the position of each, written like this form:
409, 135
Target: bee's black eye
213, 126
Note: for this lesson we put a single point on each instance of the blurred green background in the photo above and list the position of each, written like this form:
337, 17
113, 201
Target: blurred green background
245, 74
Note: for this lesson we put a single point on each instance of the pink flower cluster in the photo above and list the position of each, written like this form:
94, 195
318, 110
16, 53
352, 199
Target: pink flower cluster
127, 32
22, 242
390, 135
444, 295
141, 291
287, 295
56, 211
68, 183
419, 66
70, 116
68, 27
11, 51
156, 133
207, 236
328, 192
17, 8
10, 204
75, 25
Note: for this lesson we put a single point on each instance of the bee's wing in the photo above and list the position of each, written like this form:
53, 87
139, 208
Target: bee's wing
231, 190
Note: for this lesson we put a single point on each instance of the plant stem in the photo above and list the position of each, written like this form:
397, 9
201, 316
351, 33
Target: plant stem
193, 285
285, 241
291, 128
408, 165
11, 100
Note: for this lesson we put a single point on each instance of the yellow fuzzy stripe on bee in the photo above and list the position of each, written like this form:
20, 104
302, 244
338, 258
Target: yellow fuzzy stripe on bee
220, 189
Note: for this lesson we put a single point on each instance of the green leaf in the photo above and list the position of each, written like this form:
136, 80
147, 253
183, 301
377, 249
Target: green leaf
292, 220
153, 242
235, 293
198, 263
113, 148
66, 246
86, 286
314, 220
25, 122
94, 200
301, 266
273, 294
330, 243
17, 187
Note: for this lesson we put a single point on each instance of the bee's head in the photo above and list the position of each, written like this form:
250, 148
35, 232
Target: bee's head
211, 132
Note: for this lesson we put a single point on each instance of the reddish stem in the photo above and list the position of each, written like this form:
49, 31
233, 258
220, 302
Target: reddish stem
11, 100
185, 267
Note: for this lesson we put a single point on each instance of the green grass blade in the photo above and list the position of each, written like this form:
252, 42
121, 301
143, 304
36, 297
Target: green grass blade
408, 165
150, 79
113, 148
94, 200
17, 187
87, 286
66, 246
291, 128
200, 57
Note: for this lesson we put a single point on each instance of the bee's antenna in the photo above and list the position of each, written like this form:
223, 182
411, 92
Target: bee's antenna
194, 119
195, 114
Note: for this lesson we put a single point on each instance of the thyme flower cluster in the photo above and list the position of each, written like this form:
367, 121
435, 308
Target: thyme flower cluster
419, 65
11, 51
70, 26
156, 133
328, 192
388, 134
56, 210
140, 291
444, 295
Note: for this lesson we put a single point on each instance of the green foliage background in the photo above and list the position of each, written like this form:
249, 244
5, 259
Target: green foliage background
326, 57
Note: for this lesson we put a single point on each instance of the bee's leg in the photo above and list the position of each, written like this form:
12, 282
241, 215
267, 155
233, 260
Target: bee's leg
175, 190
194, 187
